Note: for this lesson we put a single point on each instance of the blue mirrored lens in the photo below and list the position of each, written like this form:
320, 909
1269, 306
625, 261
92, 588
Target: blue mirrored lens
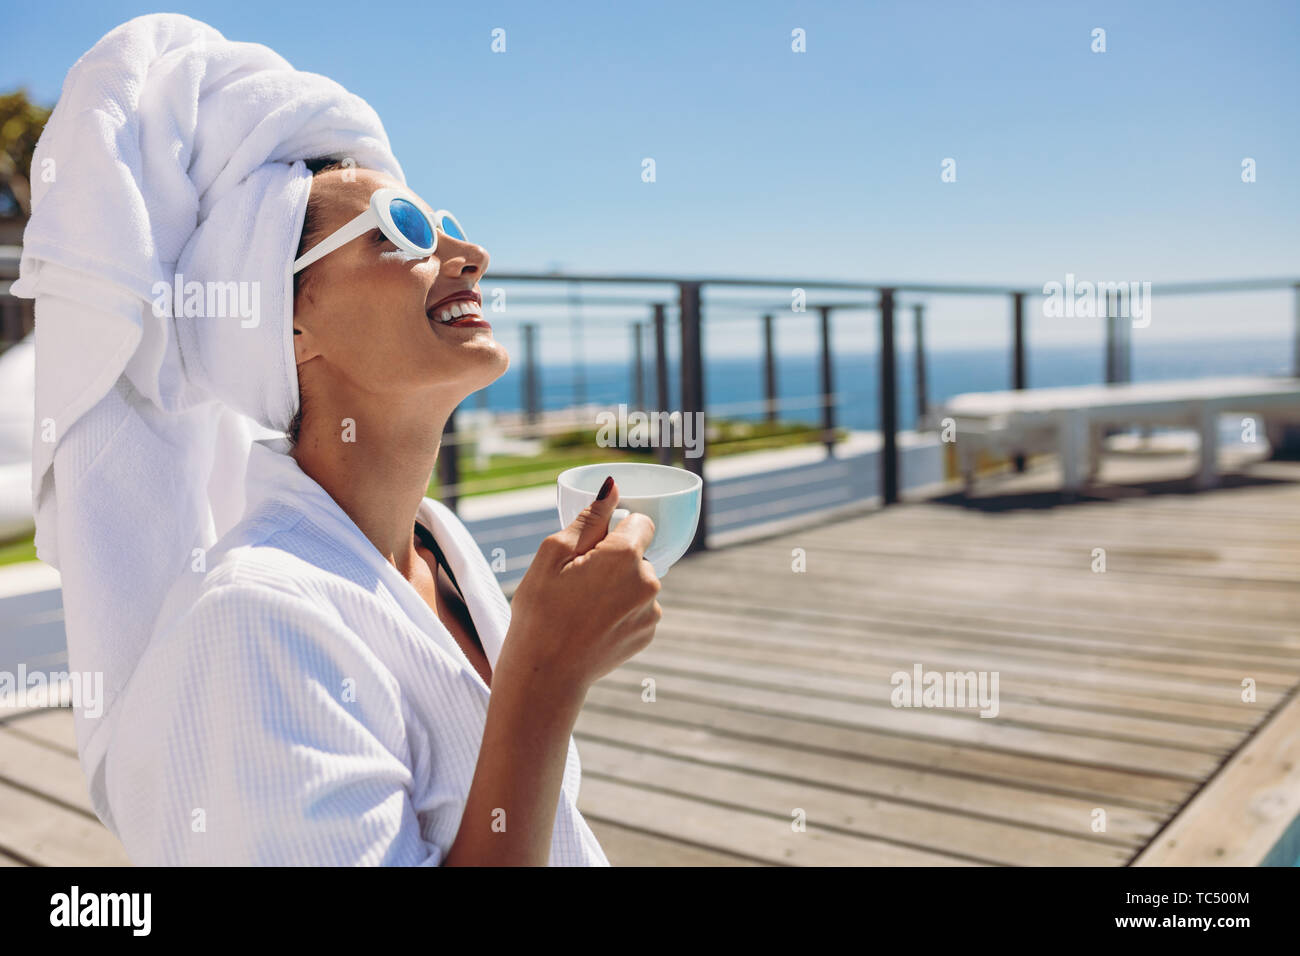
448, 225
411, 222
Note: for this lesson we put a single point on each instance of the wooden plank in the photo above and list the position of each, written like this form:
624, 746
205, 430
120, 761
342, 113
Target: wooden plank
1032, 682
930, 828
852, 589
1252, 504
1192, 765
709, 628
48, 771
1135, 519
1146, 561
624, 846
35, 829
1202, 545
919, 786
1130, 526
891, 577
1012, 710
762, 837
1166, 656
53, 726
1245, 809
1140, 789
1026, 595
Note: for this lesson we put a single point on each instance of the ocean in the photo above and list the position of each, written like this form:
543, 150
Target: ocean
732, 381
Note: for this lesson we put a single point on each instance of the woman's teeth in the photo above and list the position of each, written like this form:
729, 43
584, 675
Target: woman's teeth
459, 310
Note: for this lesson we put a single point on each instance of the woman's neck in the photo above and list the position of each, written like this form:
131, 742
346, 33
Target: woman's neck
376, 465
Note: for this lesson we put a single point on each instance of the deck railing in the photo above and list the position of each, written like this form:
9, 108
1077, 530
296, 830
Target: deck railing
688, 294
656, 299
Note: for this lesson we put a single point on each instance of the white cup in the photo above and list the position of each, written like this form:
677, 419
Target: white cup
670, 497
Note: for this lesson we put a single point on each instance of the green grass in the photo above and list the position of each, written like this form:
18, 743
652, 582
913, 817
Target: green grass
578, 447
12, 552
512, 472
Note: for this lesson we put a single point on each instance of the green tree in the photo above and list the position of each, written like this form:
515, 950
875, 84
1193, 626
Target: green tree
21, 122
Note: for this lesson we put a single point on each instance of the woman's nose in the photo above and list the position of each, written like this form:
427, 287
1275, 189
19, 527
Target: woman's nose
462, 256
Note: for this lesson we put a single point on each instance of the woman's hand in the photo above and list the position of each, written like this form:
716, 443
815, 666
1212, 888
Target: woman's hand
587, 603
585, 606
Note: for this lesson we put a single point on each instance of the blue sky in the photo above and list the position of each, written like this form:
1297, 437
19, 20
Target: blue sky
1117, 165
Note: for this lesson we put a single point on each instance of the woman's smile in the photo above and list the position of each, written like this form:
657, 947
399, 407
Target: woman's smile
459, 309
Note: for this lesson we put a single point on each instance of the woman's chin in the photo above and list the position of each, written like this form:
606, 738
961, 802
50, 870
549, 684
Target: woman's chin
482, 360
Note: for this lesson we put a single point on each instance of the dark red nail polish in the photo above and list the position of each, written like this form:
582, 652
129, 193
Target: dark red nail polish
604, 489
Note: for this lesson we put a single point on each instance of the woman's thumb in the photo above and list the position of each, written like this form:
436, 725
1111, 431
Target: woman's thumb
592, 523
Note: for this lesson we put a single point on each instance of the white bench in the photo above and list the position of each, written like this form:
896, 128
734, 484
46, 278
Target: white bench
1072, 421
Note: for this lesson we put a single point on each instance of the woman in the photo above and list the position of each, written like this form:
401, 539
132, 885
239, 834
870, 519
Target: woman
336, 677
359, 743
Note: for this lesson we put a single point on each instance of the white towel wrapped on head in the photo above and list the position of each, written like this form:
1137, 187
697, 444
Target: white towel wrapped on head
172, 151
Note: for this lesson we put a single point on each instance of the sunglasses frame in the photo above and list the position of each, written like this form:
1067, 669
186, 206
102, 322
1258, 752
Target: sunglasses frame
378, 215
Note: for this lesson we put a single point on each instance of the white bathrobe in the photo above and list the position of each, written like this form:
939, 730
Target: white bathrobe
300, 704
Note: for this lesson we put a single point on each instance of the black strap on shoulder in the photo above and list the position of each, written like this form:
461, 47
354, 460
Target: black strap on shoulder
427, 540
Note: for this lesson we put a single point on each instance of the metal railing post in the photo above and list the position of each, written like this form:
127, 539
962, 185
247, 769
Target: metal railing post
530, 388
661, 384
1295, 359
449, 465
638, 368
1112, 341
1117, 363
1019, 378
828, 383
1124, 337
888, 402
693, 395
918, 332
769, 365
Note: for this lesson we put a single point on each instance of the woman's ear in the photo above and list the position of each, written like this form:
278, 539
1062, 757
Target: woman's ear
304, 345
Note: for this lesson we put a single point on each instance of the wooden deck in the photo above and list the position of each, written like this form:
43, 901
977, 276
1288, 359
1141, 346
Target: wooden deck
1120, 692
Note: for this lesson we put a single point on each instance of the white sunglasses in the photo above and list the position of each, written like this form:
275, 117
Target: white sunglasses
395, 213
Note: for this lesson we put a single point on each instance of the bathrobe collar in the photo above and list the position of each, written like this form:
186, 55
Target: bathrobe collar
274, 474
